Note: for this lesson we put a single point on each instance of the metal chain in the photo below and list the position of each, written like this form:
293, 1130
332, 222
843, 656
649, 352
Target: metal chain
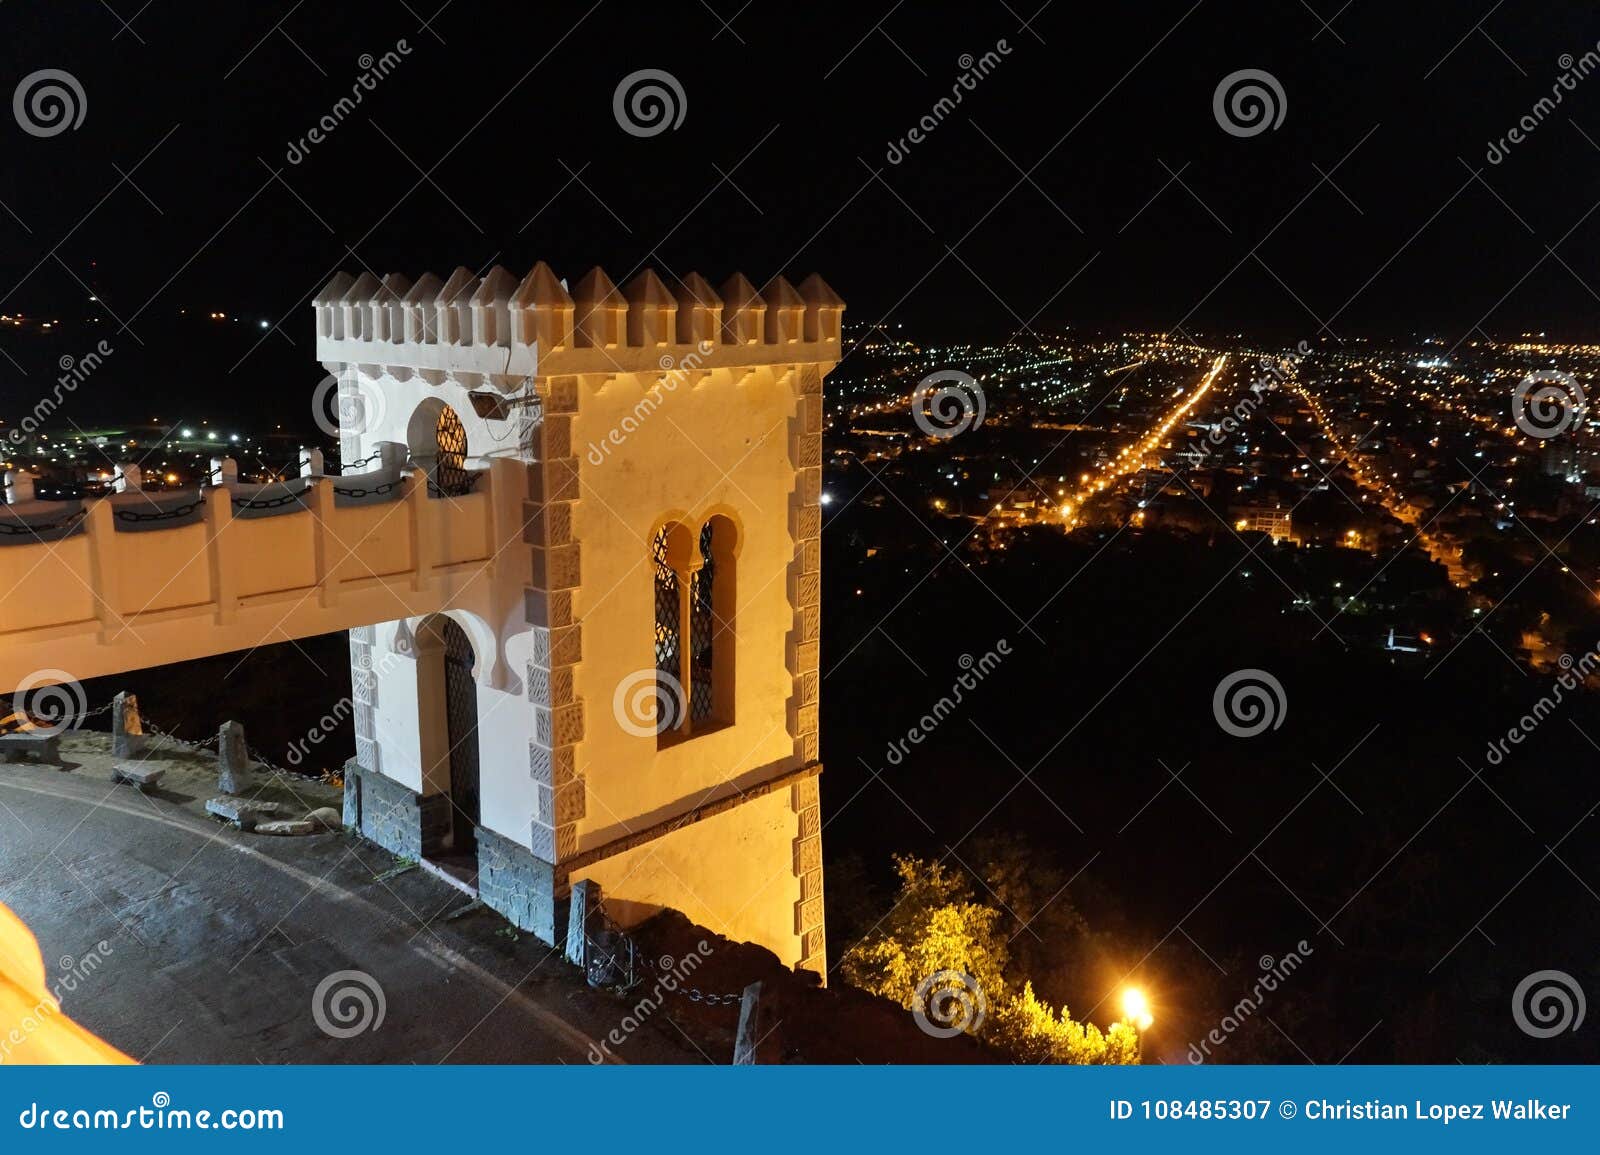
262, 759
358, 491
210, 743
269, 503
346, 467
636, 954
18, 529
159, 515
161, 732
27, 719
696, 995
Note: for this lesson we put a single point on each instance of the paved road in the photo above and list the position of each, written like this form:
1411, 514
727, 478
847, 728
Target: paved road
217, 940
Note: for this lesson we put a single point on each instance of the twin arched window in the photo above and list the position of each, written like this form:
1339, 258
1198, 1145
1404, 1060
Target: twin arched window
693, 636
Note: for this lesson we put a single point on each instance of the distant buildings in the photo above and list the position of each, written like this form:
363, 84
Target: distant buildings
1274, 522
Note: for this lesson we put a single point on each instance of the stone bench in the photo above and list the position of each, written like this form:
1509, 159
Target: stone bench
140, 774
41, 747
243, 812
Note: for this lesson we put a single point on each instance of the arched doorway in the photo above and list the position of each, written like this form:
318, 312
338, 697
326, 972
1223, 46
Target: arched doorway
447, 711
461, 730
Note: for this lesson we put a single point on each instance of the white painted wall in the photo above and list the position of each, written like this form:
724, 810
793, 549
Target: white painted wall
493, 616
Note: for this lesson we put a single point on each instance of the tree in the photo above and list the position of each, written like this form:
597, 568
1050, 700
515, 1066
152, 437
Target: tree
937, 928
1038, 918
1035, 1033
934, 925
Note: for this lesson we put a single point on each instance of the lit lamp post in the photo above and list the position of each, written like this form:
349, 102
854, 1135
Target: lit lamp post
1136, 1012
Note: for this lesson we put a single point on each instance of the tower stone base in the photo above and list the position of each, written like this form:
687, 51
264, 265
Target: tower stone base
511, 879
400, 820
521, 886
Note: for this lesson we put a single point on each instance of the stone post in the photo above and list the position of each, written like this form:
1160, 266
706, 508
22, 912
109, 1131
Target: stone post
224, 471
757, 1038
585, 903
129, 479
127, 731
392, 455
310, 462
233, 759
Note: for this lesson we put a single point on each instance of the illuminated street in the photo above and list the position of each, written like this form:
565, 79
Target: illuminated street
218, 940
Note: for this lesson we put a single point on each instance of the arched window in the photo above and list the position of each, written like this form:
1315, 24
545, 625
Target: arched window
668, 635
694, 639
436, 440
702, 631
450, 463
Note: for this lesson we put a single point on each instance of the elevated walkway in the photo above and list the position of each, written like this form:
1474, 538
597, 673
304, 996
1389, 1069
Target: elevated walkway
143, 579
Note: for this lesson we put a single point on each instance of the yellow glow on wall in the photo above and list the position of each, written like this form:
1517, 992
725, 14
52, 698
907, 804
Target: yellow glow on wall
30, 1013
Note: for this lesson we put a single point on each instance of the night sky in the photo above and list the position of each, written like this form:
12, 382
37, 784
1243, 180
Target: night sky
1084, 181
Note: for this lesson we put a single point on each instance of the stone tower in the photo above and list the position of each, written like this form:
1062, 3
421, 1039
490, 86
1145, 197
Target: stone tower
626, 691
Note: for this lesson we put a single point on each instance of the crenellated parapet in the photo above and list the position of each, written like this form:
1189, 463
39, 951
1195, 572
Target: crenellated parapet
542, 327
